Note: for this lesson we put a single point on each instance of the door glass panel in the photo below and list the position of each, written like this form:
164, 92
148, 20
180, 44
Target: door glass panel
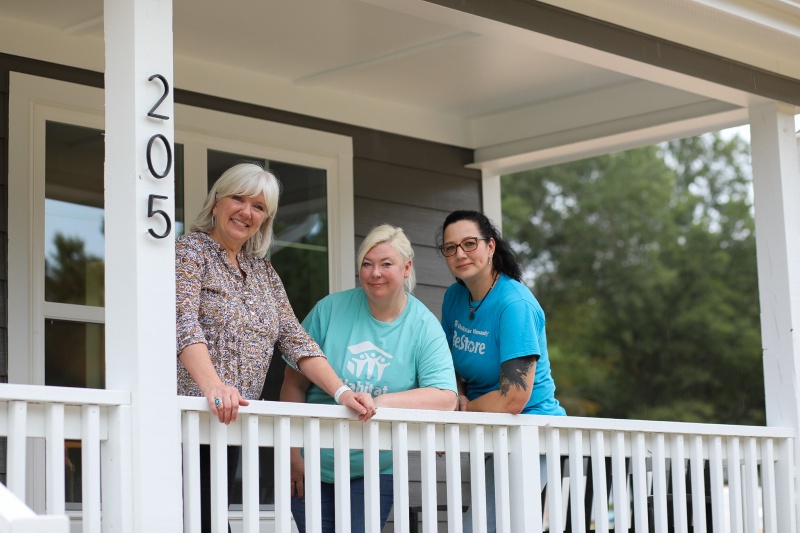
74, 242
299, 254
74, 354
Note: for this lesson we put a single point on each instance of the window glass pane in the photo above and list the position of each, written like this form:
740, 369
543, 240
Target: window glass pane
299, 254
74, 241
74, 214
74, 354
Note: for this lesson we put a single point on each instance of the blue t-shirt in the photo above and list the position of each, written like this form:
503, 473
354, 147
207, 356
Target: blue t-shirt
509, 324
377, 357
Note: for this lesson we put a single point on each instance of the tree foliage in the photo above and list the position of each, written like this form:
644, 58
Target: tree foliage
644, 262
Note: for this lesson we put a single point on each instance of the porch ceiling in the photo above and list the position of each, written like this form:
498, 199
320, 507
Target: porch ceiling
422, 69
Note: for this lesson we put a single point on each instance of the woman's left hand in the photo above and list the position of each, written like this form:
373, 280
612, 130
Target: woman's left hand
360, 402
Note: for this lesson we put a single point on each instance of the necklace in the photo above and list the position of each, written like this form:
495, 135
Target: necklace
469, 299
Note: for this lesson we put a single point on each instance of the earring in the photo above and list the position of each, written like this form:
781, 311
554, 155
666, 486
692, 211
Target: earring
213, 220
490, 259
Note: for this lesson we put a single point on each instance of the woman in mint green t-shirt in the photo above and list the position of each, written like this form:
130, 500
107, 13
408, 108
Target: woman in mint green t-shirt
380, 340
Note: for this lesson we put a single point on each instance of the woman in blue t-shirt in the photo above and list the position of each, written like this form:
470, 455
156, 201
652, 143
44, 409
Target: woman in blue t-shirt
495, 329
380, 340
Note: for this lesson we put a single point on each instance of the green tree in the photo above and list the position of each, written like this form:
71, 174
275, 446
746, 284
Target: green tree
644, 262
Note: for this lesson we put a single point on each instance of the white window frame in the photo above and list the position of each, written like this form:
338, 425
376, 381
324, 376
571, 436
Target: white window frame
34, 100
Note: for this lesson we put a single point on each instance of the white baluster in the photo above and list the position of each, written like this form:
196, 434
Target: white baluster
768, 486
501, 495
341, 459
525, 479
639, 469
717, 481
283, 513
54, 458
250, 503
679, 510
219, 476
752, 501
90, 467
698, 485
400, 468
576, 481
372, 485
191, 471
619, 482
659, 483
430, 513
453, 472
477, 478
599, 482
554, 498
735, 485
17, 447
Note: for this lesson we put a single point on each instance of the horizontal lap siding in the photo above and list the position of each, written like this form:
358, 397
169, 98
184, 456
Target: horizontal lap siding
417, 200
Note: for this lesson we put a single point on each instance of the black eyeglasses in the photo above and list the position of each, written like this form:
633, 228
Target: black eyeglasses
468, 245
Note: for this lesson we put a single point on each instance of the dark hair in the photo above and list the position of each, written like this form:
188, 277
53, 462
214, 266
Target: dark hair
504, 259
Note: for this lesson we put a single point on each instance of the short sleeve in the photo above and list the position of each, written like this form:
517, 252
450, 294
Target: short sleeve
519, 325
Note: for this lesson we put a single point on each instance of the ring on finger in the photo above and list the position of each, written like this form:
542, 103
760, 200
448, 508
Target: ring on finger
217, 402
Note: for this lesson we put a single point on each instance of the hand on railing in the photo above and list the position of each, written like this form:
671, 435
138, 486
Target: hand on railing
224, 402
462, 403
298, 474
360, 402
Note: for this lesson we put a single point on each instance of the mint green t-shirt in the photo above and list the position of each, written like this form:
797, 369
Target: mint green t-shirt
377, 357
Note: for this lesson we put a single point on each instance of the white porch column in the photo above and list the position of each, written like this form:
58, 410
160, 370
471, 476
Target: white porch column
140, 278
491, 198
776, 183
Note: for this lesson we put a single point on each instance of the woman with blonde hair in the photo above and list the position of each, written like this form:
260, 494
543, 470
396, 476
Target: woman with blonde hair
380, 340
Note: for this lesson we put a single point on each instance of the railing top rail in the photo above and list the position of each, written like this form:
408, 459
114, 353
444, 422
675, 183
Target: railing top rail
65, 395
495, 419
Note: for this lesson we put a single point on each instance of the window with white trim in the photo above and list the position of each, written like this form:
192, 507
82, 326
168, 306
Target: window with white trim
56, 217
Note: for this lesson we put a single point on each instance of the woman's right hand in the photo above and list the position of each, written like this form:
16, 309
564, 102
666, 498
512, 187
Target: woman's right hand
297, 474
360, 402
229, 401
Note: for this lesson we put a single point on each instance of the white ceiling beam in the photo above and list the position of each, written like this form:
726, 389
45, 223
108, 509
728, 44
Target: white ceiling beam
596, 140
634, 100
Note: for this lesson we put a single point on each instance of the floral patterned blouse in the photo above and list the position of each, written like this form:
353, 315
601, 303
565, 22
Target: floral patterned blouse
239, 318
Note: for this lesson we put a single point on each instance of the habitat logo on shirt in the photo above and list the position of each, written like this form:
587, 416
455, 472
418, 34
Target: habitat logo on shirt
368, 363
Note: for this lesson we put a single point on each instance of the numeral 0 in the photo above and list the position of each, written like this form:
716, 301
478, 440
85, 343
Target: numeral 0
165, 142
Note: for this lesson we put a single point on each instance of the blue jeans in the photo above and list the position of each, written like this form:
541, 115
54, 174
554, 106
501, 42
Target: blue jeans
356, 505
491, 508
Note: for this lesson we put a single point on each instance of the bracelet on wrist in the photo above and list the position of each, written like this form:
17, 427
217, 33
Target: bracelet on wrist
338, 394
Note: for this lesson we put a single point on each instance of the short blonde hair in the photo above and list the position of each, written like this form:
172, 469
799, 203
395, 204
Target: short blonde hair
397, 239
251, 180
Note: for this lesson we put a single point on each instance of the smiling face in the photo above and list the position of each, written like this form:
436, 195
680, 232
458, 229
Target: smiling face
470, 267
383, 273
238, 219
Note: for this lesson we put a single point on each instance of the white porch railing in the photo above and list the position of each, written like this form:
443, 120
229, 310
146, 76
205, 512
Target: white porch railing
654, 476
604, 475
37, 422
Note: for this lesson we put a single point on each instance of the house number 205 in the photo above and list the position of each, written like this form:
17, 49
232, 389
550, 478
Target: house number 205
159, 173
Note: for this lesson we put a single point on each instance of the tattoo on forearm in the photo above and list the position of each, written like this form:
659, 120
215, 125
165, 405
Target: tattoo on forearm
514, 372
